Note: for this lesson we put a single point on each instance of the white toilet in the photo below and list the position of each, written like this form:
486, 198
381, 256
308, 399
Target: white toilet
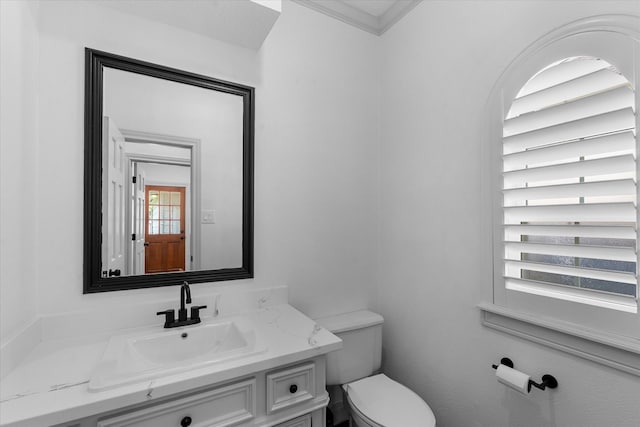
374, 401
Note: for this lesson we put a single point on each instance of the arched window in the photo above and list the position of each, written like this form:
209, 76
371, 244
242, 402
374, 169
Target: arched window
561, 178
569, 185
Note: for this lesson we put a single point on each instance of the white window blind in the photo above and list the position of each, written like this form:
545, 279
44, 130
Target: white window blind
569, 185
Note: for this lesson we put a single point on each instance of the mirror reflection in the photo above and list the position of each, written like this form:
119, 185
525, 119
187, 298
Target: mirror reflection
172, 176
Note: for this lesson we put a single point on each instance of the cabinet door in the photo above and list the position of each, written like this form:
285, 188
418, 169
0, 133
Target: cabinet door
220, 407
303, 421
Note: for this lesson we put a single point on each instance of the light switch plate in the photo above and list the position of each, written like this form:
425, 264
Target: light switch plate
209, 216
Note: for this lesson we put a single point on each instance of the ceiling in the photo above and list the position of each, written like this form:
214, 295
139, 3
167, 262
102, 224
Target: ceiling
374, 16
248, 22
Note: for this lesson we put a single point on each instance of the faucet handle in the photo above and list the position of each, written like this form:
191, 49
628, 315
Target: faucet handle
170, 317
195, 311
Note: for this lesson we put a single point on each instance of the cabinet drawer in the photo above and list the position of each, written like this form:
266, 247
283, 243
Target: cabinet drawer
303, 421
220, 407
290, 386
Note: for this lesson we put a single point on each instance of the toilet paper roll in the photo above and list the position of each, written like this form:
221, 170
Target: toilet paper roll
515, 379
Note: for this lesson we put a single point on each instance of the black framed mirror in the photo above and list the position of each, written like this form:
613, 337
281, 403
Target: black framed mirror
168, 187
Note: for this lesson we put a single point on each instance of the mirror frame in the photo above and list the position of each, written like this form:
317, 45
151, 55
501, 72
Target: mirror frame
95, 61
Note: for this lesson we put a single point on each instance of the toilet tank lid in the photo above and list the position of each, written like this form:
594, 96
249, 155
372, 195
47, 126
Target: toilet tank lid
350, 321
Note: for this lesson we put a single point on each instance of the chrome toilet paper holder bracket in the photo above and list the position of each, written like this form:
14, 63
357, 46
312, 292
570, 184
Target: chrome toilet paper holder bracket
547, 380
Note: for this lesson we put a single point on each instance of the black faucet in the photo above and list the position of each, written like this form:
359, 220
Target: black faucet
170, 315
184, 291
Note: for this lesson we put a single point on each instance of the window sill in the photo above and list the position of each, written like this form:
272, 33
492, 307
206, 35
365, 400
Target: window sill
615, 351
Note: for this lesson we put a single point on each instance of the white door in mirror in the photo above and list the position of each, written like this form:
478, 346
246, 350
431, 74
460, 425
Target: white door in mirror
113, 202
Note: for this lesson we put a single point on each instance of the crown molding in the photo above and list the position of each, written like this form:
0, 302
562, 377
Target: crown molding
396, 13
343, 11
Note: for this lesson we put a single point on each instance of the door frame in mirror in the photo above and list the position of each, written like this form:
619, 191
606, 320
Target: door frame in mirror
95, 61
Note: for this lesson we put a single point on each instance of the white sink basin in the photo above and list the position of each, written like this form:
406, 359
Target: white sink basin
215, 342
147, 355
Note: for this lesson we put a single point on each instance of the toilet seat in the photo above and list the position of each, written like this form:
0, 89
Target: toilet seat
382, 402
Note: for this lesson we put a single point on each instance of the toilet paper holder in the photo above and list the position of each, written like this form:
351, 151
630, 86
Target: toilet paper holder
547, 380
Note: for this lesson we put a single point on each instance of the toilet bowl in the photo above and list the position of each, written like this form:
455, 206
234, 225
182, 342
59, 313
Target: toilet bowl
379, 401
373, 400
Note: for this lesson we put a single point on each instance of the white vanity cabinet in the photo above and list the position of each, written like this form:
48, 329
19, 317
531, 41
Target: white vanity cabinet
232, 404
96, 379
291, 395
304, 421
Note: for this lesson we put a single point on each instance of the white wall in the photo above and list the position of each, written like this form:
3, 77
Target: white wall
438, 66
18, 163
316, 138
317, 132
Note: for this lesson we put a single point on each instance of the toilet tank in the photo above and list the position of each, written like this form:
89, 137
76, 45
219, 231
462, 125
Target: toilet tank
361, 352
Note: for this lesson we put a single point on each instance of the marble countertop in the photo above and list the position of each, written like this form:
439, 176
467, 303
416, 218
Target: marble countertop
50, 386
